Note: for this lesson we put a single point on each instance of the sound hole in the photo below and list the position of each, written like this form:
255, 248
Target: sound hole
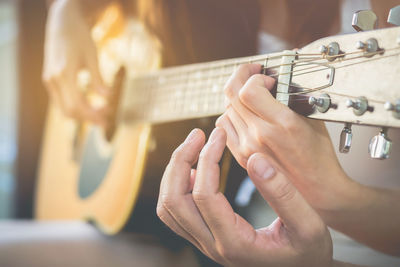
94, 166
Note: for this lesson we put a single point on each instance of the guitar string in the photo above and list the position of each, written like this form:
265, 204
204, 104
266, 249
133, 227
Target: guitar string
328, 63
339, 67
296, 63
322, 65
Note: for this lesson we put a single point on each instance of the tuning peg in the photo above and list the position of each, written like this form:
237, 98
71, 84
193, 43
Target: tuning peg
380, 145
332, 51
395, 108
360, 105
370, 46
323, 102
394, 16
364, 20
346, 137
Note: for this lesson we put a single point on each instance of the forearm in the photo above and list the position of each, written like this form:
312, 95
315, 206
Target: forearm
369, 215
90, 9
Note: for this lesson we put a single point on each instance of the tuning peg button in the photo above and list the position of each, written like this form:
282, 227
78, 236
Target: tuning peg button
395, 108
323, 102
360, 105
323, 49
394, 16
364, 20
370, 46
380, 145
346, 137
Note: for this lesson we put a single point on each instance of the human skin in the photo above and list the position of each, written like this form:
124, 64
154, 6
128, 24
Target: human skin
191, 205
195, 209
301, 149
68, 49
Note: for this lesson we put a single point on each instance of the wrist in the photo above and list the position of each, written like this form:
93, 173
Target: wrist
344, 198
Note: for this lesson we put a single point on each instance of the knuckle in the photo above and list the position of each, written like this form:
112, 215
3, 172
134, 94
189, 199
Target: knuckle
289, 122
245, 152
199, 196
246, 94
243, 67
261, 135
204, 153
177, 155
161, 212
284, 191
229, 91
247, 147
256, 78
242, 160
166, 203
219, 121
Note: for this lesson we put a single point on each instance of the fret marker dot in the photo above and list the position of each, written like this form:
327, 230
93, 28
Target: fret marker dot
215, 88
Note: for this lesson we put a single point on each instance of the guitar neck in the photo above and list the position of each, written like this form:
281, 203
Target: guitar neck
196, 90
181, 93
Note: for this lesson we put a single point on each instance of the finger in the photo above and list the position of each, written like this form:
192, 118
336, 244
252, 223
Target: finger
256, 96
212, 204
167, 218
236, 82
54, 92
93, 67
177, 181
237, 122
278, 191
175, 193
240, 76
232, 136
74, 103
192, 179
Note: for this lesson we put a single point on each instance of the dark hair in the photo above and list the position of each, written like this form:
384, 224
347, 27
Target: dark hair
201, 30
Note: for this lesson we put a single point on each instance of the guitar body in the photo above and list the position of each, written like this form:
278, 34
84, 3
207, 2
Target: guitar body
59, 190
115, 184
112, 184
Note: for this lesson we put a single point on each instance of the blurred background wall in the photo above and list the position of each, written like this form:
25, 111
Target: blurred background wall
8, 105
22, 103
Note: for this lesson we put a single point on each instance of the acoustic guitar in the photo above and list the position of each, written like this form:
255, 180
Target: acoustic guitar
352, 79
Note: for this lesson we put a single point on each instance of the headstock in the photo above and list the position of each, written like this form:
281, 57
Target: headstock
360, 79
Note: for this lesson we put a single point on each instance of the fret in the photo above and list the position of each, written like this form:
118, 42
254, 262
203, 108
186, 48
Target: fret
183, 92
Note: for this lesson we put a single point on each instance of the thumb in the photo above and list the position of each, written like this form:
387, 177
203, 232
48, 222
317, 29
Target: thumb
92, 64
282, 195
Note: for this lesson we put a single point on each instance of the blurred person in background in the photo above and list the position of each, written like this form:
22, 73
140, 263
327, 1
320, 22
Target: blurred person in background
181, 35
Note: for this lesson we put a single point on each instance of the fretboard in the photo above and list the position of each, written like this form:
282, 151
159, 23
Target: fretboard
186, 92
195, 91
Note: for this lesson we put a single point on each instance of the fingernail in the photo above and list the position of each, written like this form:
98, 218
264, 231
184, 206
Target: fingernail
262, 168
192, 135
